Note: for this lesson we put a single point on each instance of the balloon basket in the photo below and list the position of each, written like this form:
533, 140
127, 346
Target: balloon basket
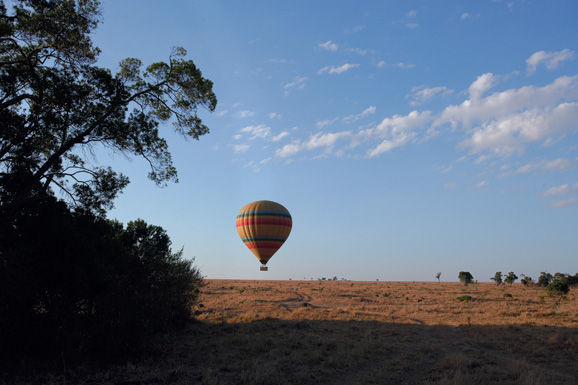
264, 268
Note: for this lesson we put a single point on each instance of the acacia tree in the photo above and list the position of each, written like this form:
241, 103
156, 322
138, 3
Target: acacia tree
497, 278
511, 278
55, 103
465, 277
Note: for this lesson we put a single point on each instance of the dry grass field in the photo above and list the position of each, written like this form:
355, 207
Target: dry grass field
341, 332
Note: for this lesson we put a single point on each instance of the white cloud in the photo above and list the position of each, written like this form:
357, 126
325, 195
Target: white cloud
288, 150
261, 131
278, 61
332, 70
405, 65
559, 164
237, 136
563, 189
550, 59
359, 51
326, 122
464, 16
412, 13
318, 140
508, 135
239, 148
381, 64
412, 25
265, 161
353, 118
421, 95
277, 138
481, 85
222, 113
481, 184
246, 114
274, 115
565, 203
329, 46
398, 130
297, 83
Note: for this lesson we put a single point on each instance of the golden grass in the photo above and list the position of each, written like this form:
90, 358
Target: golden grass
310, 332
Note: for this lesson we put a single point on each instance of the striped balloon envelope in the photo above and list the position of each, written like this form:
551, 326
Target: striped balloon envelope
264, 226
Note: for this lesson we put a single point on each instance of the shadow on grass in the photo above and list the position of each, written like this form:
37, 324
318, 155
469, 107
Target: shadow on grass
271, 351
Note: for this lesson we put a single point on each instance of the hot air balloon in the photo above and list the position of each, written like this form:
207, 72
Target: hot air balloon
264, 226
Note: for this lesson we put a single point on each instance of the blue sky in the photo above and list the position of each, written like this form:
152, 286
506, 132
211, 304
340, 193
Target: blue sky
405, 138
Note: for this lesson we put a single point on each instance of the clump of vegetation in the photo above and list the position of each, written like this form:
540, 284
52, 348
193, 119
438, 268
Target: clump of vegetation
544, 279
511, 278
464, 298
525, 280
465, 277
557, 287
438, 275
497, 278
507, 295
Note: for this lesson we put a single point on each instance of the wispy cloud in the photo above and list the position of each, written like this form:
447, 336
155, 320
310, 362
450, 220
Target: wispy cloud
239, 148
260, 131
422, 94
280, 136
245, 114
278, 60
549, 59
353, 118
274, 115
332, 70
565, 203
325, 122
381, 64
357, 28
328, 46
465, 16
482, 184
297, 83
559, 164
318, 140
405, 65
563, 189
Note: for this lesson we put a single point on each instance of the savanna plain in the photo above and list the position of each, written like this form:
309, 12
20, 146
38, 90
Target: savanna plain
344, 332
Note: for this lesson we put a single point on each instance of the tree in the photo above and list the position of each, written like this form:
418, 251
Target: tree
465, 277
544, 279
438, 275
511, 278
55, 104
497, 277
557, 287
525, 280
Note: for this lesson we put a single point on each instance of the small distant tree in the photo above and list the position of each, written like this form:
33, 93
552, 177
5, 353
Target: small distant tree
438, 275
497, 278
557, 287
335, 278
511, 278
544, 279
466, 277
526, 281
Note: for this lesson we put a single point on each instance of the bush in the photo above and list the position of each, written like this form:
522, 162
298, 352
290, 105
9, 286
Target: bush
544, 279
511, 278
525, 280
466, 277
464, 298
497, 278
557, 287
74, 284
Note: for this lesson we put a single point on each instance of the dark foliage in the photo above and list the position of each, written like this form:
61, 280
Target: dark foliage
497, 278
526, 281
557, 287
544, 279
465, 277
73, 284
56, 104
511, 278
